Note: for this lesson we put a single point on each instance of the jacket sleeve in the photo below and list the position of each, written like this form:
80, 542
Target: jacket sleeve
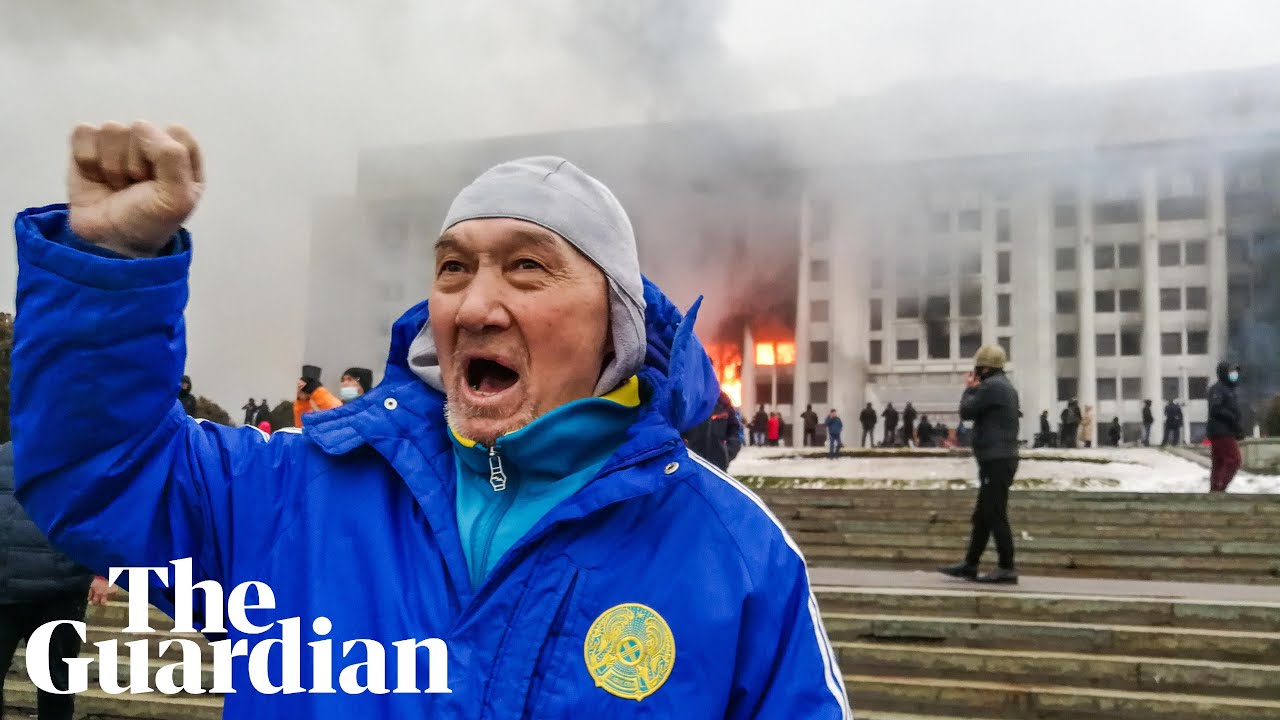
1224, 408
975, 401
733, 438
132, 481
325, 400
791, 670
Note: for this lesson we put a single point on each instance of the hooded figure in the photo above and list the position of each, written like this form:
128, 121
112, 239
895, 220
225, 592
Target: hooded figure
185, 397
1225, 428
517, 483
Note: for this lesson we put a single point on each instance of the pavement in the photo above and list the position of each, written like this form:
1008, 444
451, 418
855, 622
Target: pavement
824, 577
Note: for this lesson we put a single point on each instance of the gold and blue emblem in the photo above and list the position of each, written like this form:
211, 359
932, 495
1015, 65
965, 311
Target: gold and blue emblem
630, 651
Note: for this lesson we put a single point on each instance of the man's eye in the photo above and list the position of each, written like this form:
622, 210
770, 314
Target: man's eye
527, 264
451, 266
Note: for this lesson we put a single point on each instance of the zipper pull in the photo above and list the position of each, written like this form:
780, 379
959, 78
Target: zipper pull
497, 477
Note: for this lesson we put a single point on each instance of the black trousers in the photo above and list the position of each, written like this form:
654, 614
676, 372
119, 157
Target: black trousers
991, 515
17, 622
868, 433
809, 438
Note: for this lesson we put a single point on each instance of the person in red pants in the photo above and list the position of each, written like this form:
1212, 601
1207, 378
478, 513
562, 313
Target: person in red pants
1225, 428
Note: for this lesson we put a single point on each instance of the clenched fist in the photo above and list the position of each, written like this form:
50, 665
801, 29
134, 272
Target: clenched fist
131, 187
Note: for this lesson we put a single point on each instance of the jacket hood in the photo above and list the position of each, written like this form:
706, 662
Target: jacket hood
1225, 367
677, 378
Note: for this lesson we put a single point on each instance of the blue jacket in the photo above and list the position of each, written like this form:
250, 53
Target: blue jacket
353, 519
835, 425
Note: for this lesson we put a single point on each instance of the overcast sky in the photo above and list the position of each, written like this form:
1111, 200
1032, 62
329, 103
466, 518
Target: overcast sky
282, 93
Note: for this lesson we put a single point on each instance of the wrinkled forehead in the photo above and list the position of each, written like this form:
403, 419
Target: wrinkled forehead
499, 235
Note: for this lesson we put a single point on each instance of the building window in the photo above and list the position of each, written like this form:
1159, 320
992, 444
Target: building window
969, 220
1104, 257
877, 314
908, 308
1064, 258
908, 349
1064, 216
969, 344
1197, 342
971, 302
1066, 345
1182, 208
939, 263
1067, 388
907, 267
1129, 255
1237, 249
818, 393
821, 225
940, 221
1170, 298
1106, 344
1197, 388
1131, 388
1196, 252
971, 263
1170, 254
818, 350
1004, 309
786, 392
1002, 267
1130, 343
877, 273
937, 307
1171, 343
1169, 388
818, 271
1130, 301
1104, 301
1066, 302
1002, 227
1197, 298
1106, 388
875, 356
1007, 344
819, 311
1116, 213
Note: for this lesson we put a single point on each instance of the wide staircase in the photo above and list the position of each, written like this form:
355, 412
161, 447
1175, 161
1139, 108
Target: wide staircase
1152, 536
915, 646
933, 654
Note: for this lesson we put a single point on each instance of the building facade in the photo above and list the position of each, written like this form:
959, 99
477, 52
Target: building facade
1114, 240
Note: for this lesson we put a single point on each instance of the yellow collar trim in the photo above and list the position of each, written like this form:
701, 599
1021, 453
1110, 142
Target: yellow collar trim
627, 395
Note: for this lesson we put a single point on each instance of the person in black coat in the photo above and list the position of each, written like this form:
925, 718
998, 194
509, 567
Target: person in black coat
991, 403
186, 398
1172, 425
1045, 438
1115, 432
810, 419
868, 419
759, 426
1147, 420
909, 415
924, 433
890, 416
1225, 428
39, 585
719, 437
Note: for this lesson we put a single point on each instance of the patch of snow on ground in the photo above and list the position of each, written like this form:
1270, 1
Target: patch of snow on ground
1130, 470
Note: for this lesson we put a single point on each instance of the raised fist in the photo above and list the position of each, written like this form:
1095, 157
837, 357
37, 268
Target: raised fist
130, 188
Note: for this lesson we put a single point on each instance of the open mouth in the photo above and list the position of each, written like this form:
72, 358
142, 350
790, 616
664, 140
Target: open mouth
490, 377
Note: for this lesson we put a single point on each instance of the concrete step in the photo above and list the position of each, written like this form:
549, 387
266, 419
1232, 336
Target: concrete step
21, 694
1192, 524
1130, 640
815, 497
1030, 560
1040, 541
1264, 531
1112, 672
115, 614
966, 698
1262, 617
860, 714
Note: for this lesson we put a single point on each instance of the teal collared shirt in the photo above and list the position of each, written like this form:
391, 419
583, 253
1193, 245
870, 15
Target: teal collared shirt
504, 491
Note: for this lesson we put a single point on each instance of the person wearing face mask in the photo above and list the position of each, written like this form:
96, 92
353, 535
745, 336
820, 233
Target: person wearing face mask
1225, 428
990, 402
356, 381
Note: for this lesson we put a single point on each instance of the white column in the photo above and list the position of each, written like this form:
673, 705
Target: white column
1150, 287
989, 310
749, 399
847, 254
800, 378
889, 307
1217, 251
1033, 311
1087, 345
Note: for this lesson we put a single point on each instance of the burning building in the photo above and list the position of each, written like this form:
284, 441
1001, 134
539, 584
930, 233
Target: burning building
1112, 239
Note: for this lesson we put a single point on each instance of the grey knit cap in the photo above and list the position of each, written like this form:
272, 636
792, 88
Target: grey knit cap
555, 194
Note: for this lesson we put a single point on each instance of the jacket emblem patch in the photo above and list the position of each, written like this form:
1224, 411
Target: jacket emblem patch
630, 651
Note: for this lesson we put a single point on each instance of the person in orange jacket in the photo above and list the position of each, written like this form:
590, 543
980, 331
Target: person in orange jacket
312, 397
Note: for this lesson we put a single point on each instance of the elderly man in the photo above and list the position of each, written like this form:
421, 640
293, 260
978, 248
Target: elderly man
516, 486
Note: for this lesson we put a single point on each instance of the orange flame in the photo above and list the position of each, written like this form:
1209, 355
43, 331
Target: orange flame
727, 360
779, 353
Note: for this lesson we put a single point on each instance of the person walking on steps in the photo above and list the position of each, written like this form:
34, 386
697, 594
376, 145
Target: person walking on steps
909, 415
834, 427
810, 425
890, 416
990, 402
1225, 428
1147, 420
868, 419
